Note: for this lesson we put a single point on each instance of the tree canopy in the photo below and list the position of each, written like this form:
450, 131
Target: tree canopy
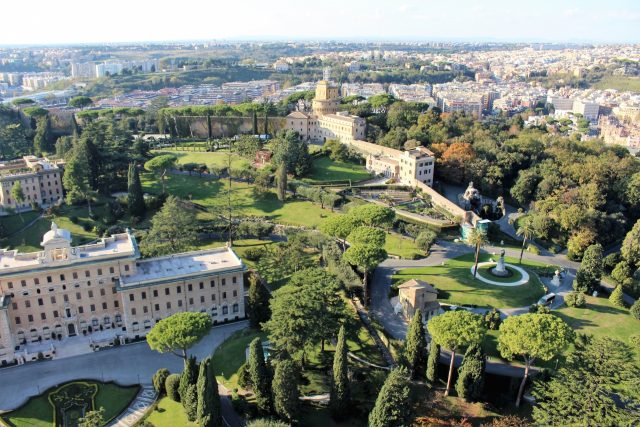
179, 332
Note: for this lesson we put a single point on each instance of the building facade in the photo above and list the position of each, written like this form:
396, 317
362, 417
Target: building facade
39, 178
103, 292
417, 294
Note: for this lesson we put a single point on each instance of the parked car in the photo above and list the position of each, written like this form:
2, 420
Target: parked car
547, 299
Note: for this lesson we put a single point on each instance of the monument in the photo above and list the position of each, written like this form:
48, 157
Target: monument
500, 270
556, 279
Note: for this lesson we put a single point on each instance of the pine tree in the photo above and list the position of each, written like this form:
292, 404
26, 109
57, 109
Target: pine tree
189, 377
433, 362
190, 402
617, 297
285, 390
135, 197
340, 390
281, 181
415, 347
470, 382
393, 407
257, 302
208, 411
259, 375
255, 122
266, 124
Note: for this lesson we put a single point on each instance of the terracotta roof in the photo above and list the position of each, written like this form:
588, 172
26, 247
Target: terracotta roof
416, 283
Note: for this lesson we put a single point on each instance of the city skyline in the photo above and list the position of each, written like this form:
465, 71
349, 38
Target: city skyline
500, 21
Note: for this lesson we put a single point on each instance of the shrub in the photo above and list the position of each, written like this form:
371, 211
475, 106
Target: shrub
244, 380
425, 239
634, 340
533, 249
87, 226
617, 297
622, 273
159, 380
635, 309
610, 261
254, 254
575, 299
492, 319
171, 387
539, 308
73, 219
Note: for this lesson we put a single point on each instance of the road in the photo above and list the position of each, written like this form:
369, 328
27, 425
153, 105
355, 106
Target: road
130, 364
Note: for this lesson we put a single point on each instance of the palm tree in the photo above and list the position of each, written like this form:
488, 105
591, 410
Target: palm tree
526, 230
477, 238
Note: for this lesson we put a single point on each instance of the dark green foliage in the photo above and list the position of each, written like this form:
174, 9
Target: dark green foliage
135, 196
575, 299
340, 387
257, 302
293, 153
159, 380
285, 390
492, 319
190, 402
415, 347
208, 411
393, 406
255, 122
590, 271
631, 246
259, 374
172, 387
433, 362
188, 377
281, 182
244, 379
470, 384
617, 297
425, 239
43, 139
635, 309
173, 230
610, 261
622, 273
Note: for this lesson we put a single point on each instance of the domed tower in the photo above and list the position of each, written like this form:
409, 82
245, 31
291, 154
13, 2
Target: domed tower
326, 100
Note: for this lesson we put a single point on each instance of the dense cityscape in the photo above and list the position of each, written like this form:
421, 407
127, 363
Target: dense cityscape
358, 229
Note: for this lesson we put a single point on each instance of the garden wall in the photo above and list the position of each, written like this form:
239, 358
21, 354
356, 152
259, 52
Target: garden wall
446, 204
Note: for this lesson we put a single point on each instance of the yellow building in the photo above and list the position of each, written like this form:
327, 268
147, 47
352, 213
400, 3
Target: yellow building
416, 294
40, 179
94, 295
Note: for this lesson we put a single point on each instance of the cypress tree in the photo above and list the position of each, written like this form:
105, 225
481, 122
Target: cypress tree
393, 406
257, 302
209, 130
190, 402
135, 197
189, 377
433, 362
340, 390
415, 348
255, 122
266, 124
208, 411
617, 297
281, 181
470, 382
259, 375
285, 390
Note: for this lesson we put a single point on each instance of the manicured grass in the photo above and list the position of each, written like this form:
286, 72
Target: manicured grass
402, 247
623, 83
211, 193
486, 273
38, 411
13, 223
456, 285
325, 169
169, 414
217, 158
230, 355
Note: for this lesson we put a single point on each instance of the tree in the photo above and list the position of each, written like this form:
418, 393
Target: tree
18, 196
575, 299
254, 116
455, 329
590, 272
470, 384
392, 407
372, 215
80, 102
433, 361
266, 124
630, 249
617, 297
178, 333
257, 302
189, 400
286, 396
367, 257
173, 230
477, 238
415, 347
593, 388
208, 411
339, 227
527, 231
281, 182
161, 165
76, 179
188, 378
159, 380
635, 309
42, 140
340, 388
172, 386
259, 374
532, 336
366, 235
92, 419
135, 196
425, 239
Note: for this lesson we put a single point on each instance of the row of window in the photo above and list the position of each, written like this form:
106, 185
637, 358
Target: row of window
49, 279
56, 314
191, 302
167, 291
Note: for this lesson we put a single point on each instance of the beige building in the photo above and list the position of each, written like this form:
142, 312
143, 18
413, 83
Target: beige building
97, 294
416, 294
40, 179
408, 167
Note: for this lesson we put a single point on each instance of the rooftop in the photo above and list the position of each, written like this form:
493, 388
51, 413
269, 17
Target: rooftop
414, 284
183, 264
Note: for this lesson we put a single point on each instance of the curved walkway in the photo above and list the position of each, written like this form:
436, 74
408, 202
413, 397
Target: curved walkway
524, 279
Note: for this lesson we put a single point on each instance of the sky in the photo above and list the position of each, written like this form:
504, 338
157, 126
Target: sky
115, 21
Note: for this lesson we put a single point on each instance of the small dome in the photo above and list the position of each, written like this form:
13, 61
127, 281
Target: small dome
56, 233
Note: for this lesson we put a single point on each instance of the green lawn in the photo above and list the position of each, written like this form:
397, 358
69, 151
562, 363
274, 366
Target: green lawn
13, 223
402, 247
230, 355
38, 412
325, 169
169, 414
217, 158
623, 83
456, 285
486, 273
210, 193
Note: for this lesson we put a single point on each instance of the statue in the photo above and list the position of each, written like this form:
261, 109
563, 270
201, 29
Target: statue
500, 270
556, 279
471, 193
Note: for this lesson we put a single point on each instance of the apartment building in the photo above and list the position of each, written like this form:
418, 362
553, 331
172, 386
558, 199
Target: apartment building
467, 103
100, 293
40, 179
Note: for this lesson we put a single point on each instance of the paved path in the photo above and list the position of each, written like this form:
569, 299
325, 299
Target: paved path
130, 364
137, 409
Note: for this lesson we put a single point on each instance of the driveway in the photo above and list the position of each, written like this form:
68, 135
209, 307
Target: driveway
130, 364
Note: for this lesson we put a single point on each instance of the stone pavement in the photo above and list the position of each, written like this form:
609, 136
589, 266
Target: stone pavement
137, 409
